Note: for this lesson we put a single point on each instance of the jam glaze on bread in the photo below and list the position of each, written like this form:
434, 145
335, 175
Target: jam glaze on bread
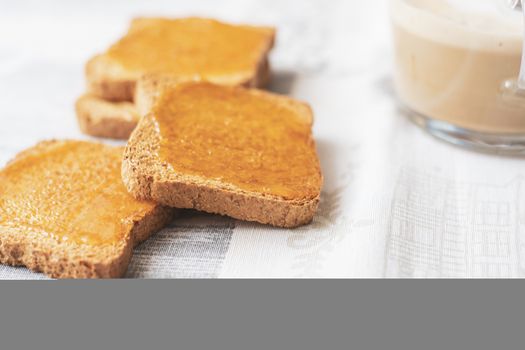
65, 212
244, 153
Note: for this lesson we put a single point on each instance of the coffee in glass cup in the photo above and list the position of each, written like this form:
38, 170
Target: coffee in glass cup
457, 64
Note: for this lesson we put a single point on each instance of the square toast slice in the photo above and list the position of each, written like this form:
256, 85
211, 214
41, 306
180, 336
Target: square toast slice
187, 49
65, 212
233, 151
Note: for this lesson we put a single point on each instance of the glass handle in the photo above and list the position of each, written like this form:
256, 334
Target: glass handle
521, 79
514, 3
513, 90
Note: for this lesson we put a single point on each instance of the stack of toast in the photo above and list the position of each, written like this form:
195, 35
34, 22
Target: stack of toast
201, 138
183, 50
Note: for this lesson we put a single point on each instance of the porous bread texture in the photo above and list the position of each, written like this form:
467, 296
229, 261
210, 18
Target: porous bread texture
41, 252
109, 80
98, 117
147, 177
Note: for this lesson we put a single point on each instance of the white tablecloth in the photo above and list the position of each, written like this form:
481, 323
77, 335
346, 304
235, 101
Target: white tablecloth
396, 202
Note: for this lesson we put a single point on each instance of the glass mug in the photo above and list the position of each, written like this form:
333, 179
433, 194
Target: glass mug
457, 68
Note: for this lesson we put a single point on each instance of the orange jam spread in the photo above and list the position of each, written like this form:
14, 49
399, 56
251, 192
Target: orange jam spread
69, 190
252, 140
191, 47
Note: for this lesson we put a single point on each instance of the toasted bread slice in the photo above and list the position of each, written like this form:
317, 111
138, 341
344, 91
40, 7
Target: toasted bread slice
98, 117
65, 212
185, 49
244, 153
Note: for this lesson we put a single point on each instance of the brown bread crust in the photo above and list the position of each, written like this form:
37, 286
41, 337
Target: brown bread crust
100, 118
